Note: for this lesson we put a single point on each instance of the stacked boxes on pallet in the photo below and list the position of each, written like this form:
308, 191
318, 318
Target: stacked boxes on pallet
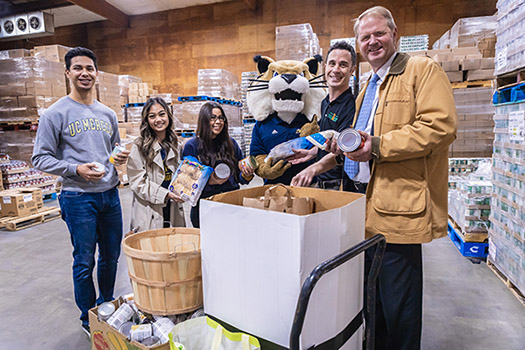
124, 81
18, 174
507, 231
296, 42
108, 92
55, 53
27, 86
218, 83
510, 32
467, 32
475, 133
139, 92
469, 202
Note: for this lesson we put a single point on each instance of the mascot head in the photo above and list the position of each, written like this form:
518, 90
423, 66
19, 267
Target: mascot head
286, 87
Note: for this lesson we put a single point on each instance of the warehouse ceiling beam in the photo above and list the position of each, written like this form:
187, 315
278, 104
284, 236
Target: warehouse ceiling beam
252, 4
104, 9
14, 8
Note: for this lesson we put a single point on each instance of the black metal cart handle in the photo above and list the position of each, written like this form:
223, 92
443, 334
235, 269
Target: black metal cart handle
327, 266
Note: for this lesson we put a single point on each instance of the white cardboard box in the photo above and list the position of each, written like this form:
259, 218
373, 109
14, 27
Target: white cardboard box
255, 261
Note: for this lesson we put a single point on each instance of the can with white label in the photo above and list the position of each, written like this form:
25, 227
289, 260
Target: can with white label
162, 328
350, 140
98, 167
123, 314
105, 310
222, 171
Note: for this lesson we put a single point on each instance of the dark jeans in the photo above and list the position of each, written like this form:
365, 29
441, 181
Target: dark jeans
399, 297
334, 184
93, 218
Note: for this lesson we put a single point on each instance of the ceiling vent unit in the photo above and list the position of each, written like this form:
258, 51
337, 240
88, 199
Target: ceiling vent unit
21, 25
27, 25
8, 27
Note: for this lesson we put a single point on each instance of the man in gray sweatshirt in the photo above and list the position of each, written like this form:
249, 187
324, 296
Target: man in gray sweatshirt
75, 139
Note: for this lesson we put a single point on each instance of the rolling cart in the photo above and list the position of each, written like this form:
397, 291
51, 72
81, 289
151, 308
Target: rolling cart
367, 317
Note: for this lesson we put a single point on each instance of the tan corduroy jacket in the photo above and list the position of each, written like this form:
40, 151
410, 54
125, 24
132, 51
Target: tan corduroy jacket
149, 197
415, 122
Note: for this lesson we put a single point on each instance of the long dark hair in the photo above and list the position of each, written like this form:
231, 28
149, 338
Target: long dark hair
148, 137
214, 150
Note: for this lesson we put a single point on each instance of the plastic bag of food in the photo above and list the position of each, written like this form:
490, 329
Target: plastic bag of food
189, 179
285, 149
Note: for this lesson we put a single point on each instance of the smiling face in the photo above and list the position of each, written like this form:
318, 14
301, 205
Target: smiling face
338, 69
216, 122
377, 42
82, 73
158, 120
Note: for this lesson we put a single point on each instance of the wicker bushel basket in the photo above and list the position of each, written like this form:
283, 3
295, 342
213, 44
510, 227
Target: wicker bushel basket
165, 270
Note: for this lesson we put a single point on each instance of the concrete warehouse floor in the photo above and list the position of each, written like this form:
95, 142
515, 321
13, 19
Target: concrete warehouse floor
465, 305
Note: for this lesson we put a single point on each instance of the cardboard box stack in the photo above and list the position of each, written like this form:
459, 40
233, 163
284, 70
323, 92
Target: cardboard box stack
248, 120
413, 43
17, 174
27, 86
458, 168
296, 42
14, 53
123, 82
20, 202
18, 143
139, 92
108, 92
467, 32
218, 83
190, 114
55, 53
463, 63
510, 32
507, 229
475, 134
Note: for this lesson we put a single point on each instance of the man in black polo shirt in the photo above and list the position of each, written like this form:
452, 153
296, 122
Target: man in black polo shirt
337, 113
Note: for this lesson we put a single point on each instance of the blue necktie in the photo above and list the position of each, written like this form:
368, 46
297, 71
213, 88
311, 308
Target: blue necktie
351, 167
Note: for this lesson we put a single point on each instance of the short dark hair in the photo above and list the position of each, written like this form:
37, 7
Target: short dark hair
342, 45
80, 51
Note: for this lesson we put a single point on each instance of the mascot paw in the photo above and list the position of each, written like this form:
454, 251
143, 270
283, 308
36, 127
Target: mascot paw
267, 171
310, 128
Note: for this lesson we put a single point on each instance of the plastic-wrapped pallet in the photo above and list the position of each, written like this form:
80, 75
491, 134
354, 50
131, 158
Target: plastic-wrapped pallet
413, 43
218, 83
475, 133
55, 53
14, 53
237, 133
459, 168
510, 33
28, 85
296, 42
467, 31
248, 121
507, 229
469, 202
134, 114
190, 113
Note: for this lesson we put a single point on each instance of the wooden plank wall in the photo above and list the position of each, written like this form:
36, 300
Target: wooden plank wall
167, 48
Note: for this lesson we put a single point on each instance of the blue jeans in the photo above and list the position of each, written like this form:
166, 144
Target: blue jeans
93, 218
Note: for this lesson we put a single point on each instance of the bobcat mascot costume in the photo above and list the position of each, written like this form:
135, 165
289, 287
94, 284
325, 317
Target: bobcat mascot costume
285, 100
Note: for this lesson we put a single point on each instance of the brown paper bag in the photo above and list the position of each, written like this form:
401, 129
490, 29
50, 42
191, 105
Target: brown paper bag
280, 203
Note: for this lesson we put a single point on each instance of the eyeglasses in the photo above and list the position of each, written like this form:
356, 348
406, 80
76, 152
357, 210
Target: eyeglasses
214, 118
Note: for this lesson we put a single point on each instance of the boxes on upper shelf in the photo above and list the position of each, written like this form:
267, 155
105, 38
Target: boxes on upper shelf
510, 33
296, 42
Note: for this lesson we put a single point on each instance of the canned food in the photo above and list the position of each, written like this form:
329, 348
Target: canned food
118, 149
222, 171
125, 328
162, 328
151, 341
198, 313
248, 161
98, 167
123, 314
141, 332
105, 310
350, 140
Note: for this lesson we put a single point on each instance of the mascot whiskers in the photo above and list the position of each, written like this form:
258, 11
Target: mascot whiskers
285, 100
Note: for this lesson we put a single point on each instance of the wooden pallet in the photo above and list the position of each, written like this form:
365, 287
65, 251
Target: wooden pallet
15, 223
478, 237
514, 290
475, 83
511, 78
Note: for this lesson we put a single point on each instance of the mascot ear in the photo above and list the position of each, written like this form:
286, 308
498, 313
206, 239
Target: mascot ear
263, 63
313, 63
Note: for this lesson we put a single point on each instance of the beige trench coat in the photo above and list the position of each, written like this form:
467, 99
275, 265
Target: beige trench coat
149, 197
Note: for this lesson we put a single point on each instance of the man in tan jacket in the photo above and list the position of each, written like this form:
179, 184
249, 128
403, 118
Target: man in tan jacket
407, 117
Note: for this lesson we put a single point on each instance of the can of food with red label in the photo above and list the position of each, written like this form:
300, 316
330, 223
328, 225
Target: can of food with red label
118, 149
249, 161
350, 140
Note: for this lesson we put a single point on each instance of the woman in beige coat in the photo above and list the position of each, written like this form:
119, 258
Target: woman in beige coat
153, 159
